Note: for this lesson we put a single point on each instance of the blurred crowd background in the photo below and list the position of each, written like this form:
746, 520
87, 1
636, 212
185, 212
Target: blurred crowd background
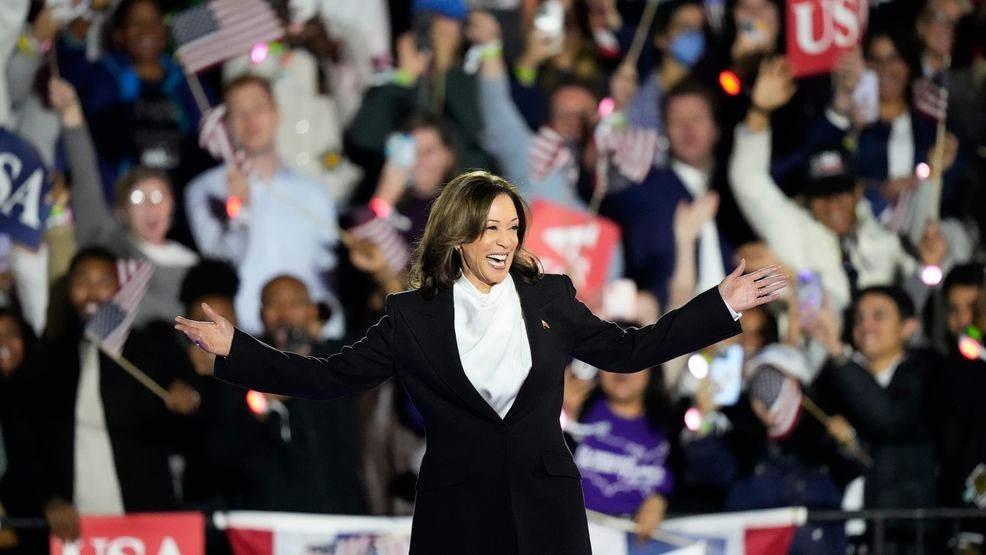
287, 187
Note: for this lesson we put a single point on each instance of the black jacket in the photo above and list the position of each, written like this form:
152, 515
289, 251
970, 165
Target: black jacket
141, 429
487, 485
893, 424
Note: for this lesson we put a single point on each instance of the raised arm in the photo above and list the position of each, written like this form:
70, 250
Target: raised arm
94, 222
777, 219
243, 360
707, 319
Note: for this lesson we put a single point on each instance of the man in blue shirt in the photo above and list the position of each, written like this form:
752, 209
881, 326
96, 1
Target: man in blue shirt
266, 219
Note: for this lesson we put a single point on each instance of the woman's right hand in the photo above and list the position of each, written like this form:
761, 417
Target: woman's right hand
214, 337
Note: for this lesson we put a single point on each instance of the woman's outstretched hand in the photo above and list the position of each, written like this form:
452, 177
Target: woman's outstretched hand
214, 337
743, 292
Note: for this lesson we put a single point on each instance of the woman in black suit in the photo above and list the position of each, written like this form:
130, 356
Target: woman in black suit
481, 344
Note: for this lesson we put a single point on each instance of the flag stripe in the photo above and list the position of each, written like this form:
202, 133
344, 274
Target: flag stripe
236, 25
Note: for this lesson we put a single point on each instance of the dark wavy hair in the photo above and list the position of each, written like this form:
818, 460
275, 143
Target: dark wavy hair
459, 216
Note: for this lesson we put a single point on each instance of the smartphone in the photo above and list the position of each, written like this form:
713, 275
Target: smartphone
866, 97
421, 29
401, 150
549, 19
726, 375
810, 296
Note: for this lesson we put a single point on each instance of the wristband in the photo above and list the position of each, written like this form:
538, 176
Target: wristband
525, 75
403, 78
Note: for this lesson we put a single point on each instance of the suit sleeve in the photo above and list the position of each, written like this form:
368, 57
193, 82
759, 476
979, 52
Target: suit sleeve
357, 367
703, 321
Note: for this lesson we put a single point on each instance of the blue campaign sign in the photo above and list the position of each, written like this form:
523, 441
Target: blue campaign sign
24, 186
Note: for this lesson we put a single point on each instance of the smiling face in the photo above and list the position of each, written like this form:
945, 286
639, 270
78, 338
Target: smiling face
836, 212
890, 67
254, 118
879, 331
486, 260
142, 33
92, 282
148, 208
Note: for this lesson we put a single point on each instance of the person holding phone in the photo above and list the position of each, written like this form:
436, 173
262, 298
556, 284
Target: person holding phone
480, 343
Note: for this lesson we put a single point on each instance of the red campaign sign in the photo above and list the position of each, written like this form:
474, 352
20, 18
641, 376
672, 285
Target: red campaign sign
572, 242
818, 31
137, 534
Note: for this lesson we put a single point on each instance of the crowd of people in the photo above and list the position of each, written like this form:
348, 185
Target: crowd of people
698, 143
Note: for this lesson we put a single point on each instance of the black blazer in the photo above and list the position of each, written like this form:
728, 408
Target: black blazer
487, 485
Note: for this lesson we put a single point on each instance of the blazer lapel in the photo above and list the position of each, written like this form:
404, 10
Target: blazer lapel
436, 336
539, 379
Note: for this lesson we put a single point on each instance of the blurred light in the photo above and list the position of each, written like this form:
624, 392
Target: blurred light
922, 171
693, 419
302, 126
380, 207
970, 348
233, 206
302, 158
563, 420
606, 106
730, 83
257, 402
931, 274
698, 366
259, 52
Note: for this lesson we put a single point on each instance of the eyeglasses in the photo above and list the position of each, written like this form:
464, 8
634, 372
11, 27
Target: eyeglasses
139, 197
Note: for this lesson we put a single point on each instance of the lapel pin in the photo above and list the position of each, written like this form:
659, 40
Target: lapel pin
545, 325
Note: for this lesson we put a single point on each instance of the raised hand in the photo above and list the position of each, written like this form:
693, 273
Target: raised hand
689, 217
774, 86
62, 97
743, 292
215, 337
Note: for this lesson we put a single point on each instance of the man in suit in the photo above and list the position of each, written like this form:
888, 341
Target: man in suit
481, 346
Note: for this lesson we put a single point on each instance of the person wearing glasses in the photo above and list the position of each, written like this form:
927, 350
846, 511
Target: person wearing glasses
138, 226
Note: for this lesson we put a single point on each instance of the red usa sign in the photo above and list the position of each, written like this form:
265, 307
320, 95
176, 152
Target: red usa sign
138, 534
818, 31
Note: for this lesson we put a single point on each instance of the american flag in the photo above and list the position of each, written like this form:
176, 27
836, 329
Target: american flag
931, 97
548, 153
216, 138
221, 29
110, 326
632, 150
383, 233
781, 395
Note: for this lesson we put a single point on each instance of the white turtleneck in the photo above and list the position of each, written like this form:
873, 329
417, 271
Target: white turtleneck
492, 340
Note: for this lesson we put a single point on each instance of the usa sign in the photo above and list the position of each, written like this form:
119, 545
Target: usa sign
137, 534
818, 31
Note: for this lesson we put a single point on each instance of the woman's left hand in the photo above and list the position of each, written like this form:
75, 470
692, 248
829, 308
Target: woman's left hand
743, 292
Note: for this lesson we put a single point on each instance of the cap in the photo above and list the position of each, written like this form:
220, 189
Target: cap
455, 9
828, 170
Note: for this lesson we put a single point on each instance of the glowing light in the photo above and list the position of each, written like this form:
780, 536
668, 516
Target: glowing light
257, 402
922, 171
693, 419
563, 420
698, 366
730, 83
380, 207
606, 107
931, 275
970, 348
233, 206
259, 52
